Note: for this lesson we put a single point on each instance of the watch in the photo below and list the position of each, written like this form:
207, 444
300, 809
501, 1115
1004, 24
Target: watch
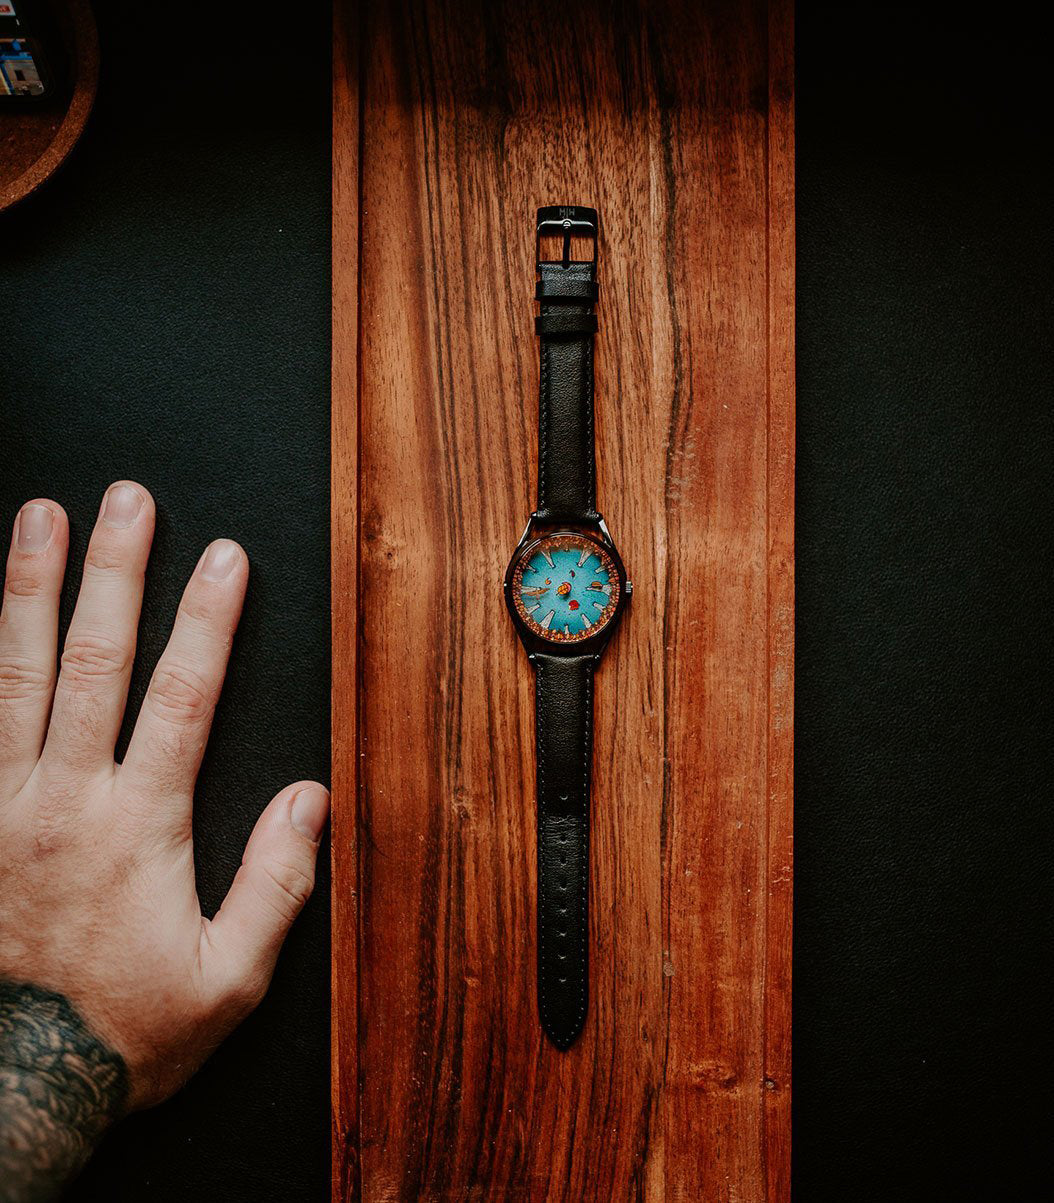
565, 589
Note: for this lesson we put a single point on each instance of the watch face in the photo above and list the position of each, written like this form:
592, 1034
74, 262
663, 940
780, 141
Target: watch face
566, 587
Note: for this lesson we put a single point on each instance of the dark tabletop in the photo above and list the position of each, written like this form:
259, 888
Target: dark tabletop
166, 318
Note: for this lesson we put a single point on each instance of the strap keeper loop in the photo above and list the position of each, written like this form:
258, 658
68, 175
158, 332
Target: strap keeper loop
565, 325
580, 291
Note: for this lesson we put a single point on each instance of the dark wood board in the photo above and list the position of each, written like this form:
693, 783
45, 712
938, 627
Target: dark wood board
452, 123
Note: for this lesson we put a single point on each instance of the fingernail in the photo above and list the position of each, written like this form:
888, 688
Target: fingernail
309, 812
35, 523
219, 560
122, 505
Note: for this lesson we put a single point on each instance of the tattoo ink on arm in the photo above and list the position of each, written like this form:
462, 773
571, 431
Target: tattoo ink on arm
60, 1088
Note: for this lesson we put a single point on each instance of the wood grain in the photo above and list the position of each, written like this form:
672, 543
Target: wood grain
344, 592
452, 123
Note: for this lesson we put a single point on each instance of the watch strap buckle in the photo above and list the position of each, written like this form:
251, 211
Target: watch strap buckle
569, 221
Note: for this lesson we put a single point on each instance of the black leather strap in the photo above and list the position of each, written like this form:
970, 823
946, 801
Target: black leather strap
566, 461
564, 719
565, 325
567, 290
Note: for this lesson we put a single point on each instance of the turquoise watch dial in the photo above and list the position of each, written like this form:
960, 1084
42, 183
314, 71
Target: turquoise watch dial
565, 587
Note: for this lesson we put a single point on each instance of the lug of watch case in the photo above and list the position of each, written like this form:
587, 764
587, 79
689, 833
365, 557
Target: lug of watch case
566, 590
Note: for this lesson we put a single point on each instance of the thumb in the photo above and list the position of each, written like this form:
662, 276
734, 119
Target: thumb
276, 877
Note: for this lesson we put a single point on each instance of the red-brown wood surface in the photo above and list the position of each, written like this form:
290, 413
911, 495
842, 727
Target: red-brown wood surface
452, 123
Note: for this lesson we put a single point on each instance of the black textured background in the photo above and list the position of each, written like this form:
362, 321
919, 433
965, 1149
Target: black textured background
165, 317
924, 565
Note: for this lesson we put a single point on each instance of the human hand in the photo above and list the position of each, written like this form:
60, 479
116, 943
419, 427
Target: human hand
113, 986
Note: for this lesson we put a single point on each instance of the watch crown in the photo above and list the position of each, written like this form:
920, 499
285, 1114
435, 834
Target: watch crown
629, 588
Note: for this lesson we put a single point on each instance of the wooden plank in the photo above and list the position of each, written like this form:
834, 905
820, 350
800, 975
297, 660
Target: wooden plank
676, 121
780, 835
344, 566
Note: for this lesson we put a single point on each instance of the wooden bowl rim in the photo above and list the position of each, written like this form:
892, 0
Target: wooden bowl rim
86, 69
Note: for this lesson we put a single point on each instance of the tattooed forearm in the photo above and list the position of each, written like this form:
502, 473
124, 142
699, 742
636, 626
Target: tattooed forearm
60, 1087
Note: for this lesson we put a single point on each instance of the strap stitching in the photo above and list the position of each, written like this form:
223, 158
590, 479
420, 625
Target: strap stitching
583, 918
543, 445
587, 397
591, 444
543, 849
545, 408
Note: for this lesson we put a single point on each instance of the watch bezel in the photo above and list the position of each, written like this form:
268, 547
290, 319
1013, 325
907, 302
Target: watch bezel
591, 644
